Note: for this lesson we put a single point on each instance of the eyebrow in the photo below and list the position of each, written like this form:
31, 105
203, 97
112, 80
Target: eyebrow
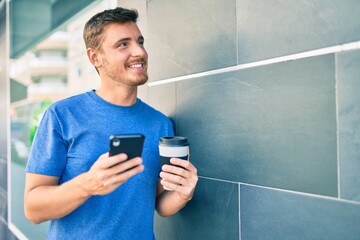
127, 39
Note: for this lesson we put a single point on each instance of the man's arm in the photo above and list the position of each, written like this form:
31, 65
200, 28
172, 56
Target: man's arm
183, 182
45, 199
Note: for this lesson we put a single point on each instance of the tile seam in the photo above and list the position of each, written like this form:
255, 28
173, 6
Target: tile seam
237, 31
217, 179
3, 221
304, 194
16, 231
291, 57
337, 126
285, 190
239, 211
237, 63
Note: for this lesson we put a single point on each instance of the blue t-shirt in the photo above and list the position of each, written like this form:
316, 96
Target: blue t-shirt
73, 133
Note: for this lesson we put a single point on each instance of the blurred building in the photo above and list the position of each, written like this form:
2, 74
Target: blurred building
53, 68
43, 70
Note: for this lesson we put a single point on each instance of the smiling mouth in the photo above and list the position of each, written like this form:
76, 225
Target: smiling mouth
137, 65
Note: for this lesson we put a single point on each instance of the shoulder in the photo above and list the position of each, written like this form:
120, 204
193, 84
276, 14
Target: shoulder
69, 103
157, 121
154, 113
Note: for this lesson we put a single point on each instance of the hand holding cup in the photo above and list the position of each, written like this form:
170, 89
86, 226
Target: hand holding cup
174, 159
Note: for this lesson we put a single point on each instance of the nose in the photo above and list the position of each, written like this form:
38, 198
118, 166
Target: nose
139, 51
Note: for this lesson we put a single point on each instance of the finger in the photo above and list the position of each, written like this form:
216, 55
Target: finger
124, 166
113, 160
173, 186
124, 176
183, 163
176, 170
173, 178
183, 191
103, 157
166, 185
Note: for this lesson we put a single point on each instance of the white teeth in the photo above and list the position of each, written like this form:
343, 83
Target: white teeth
136, 66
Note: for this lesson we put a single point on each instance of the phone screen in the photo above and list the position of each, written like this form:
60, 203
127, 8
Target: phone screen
131, 144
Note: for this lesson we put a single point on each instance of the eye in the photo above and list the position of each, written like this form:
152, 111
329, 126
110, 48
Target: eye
123, 44
141, 42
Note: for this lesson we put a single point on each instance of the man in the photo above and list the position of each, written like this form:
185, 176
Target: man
70, 178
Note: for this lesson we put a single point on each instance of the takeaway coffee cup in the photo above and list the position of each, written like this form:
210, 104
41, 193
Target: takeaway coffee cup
170, 147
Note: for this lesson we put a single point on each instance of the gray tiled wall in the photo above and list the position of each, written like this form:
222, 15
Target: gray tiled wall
276, 146
268, 29
197, 221
198, 36
270, 214
348, 74
273, 125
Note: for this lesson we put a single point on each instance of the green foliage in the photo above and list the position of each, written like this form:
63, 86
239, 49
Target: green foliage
37, 116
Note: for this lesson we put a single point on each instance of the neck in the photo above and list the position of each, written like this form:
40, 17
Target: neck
118, 96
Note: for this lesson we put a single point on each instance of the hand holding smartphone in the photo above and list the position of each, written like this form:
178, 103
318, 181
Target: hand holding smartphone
118, 169
131, 145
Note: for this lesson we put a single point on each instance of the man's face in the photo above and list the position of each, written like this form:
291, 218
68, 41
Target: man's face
122, 55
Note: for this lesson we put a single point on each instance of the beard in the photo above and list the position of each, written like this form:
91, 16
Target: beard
125, 75
136, 81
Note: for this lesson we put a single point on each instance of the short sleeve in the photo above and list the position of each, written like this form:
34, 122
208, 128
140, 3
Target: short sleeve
170, 128
49, 151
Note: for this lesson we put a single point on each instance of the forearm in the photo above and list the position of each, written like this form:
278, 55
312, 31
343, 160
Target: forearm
182, 179
51, 202
169, 202
45, 199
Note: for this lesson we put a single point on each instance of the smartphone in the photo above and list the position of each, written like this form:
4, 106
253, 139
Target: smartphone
131, 144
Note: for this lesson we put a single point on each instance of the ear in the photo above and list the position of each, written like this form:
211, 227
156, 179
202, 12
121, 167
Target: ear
94, 57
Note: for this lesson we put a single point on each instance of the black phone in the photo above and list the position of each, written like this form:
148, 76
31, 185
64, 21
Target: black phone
131, 144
